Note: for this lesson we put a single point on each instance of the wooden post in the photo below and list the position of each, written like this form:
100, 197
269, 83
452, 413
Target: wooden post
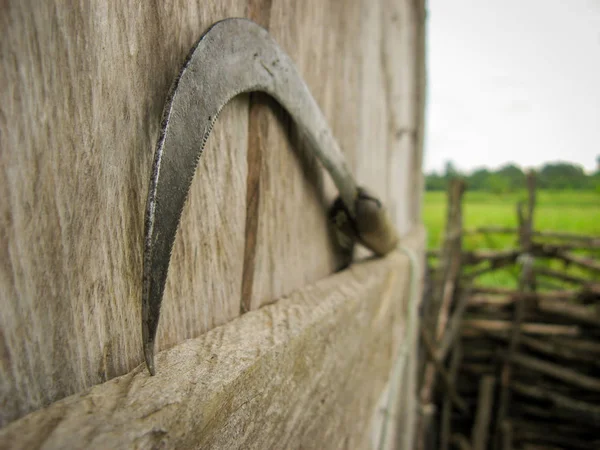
507, 436
446, 424
454, 325
526, 284
484, 413
450, 262
526, 234
445, 286
526, 219
439, 367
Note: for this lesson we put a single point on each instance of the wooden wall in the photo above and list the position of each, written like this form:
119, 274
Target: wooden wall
82, 90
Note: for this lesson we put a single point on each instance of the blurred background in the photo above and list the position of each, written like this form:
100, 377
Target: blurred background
512, 209
514, 85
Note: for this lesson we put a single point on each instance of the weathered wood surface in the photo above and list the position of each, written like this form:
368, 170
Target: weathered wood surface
481, 326
303, 372
484, 412
83, 87
436, 316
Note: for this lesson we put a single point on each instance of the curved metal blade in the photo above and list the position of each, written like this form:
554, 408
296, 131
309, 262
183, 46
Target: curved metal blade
232, 57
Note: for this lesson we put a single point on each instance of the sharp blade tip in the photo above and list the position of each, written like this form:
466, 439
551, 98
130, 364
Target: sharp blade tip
149, 355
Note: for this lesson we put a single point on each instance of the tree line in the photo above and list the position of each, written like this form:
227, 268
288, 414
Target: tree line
511, 178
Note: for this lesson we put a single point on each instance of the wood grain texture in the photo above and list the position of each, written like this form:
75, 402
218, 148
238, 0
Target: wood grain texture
327, 346
285, 223
83, 87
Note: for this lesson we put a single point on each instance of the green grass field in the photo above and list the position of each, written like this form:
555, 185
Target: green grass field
566, 211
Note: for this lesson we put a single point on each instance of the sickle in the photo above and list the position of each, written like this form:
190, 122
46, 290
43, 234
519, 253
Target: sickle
236, 56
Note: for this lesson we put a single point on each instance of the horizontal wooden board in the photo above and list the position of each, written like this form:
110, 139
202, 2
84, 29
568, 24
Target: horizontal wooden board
304, 372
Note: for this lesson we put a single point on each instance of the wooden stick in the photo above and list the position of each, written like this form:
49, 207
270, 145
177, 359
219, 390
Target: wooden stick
590, 293
427, 415
555, 247
433, 253
499, 302
494, 300
452, 253
548, 285
493, 290
505, 300
559, 350
453, 329
439, 367
545, 413
446, 421
444, 288
569, 237
540, 447
484, 413
591, 290
495, 266
577, 409
525, 285
586, 263
574, 313
563, 427
461, 442
554, 252
507, 436
476, 257
492, 229
483, 325
580, 345
540, 250
546, 436
478, 369
590, 240
558, 372
556, 349
526, 218
560, 276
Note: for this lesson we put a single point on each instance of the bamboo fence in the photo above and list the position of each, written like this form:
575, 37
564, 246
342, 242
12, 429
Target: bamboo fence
511, 368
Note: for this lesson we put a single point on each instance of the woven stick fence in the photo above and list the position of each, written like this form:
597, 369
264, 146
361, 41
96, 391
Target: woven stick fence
511, 368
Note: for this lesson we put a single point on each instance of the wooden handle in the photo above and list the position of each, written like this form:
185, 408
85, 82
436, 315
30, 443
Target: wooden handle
371, 224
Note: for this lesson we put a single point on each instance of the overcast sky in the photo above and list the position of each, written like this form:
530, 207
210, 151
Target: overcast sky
513, 81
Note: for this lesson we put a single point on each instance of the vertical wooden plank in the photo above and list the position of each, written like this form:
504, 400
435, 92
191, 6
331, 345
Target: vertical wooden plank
406, 403
391, 64
420, 93
84, 88
372, 165
398, 55
260, 12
